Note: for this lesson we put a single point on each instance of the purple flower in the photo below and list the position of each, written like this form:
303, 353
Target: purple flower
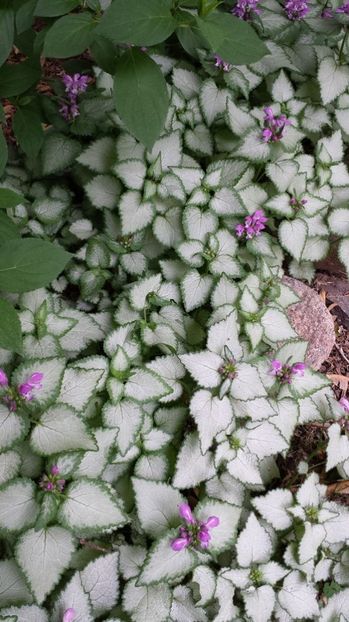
51, 483
285, 373
276, 367
344, 402
69, 615
298, 369
296, 9
221, 64
195, 532
75, 84
344, 8
180, 543
3, 379
27, 389
186, 513
244, 9
273, 126
54, 470
253, 225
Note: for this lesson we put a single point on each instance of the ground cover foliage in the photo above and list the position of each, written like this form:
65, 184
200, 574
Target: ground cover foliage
159, 378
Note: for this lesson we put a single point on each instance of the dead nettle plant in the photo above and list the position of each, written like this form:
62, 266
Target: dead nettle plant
160, 377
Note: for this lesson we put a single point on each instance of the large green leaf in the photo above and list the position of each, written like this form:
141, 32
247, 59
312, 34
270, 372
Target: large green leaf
8, 229
10, 328
16, 79
24, 17
70, 35
232, 38
138, 22
141, 97
30, 263
6, 30
58, 152
9, 198
28, 131
54, 8
3, 153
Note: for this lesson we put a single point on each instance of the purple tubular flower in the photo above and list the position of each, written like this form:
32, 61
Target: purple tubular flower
186, 513
75, 84
273, 126
298, 369
326, 14
276, 367
253, 225
69, 615
3, 378
244, 9
27, 389
35, 378
221, 64
344, 8
344, 402
180, 543
296, 9
54, 470
212, 521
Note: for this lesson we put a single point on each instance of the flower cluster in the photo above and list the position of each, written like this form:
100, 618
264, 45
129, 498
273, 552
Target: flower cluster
52, 482
253, 225
297, 203
221, 64
245, 8
194, 533
285, 373
74, 85
296, 9
273, 126
25, 391
344, 8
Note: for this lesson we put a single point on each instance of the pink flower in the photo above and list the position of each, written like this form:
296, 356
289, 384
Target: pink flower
221, 64
180, 543
186, 513
344, 402
54, 470
344, 8
3, 379
298, 369
69, 615
28, 388
296, 9
273, 126
194, 533
276, 367
245, 8
326, 13
253, 225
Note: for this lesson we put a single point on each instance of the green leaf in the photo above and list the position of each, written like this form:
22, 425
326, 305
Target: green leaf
54, 8
3, 153
10, 328
9, 198
6, 32
28, 131
25, 17
8, 229
104, 53
70, 35
30, 263
58, 152
16, 79
138, 22
141, 97
232, 38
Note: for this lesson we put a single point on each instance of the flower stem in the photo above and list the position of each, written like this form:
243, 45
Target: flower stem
341, 50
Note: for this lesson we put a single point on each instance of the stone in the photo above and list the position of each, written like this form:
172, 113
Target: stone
312, 321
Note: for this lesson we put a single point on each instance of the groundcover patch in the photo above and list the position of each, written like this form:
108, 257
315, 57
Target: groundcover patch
164, 165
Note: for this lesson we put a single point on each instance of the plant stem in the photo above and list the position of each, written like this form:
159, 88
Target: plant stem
341, 50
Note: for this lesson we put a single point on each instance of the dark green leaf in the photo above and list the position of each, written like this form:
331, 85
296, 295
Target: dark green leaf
28, 131
54, 8
30, 263
8, 229
137, 21
59, 152
25, 16
70, 35
16, 79
3, 153
232, 38
7, 30
2, 114
10, 328
141, 96
10, 198
104, 53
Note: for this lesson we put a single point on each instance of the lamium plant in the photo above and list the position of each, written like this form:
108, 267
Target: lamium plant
151, 383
